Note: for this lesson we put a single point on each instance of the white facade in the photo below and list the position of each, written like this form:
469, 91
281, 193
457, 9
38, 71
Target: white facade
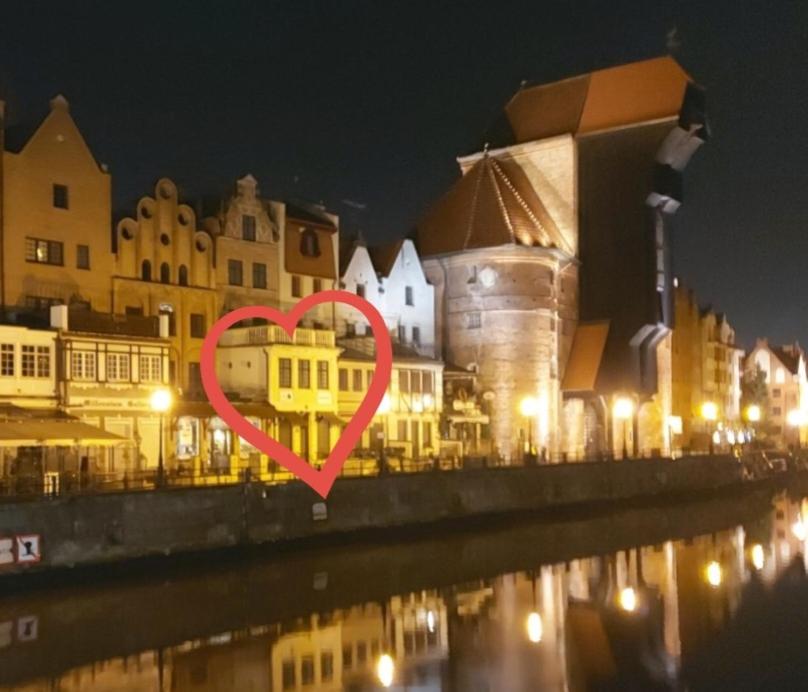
404, 297
28, 367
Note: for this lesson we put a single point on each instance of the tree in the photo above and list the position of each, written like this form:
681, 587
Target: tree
754, 390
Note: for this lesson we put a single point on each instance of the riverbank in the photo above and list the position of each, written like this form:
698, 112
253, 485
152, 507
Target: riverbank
118, 527
189, 601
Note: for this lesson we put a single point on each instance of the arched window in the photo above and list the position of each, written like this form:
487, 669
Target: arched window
165, 273
145, 270
309, 243
183, 277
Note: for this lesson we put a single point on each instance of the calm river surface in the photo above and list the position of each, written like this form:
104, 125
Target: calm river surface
704, 596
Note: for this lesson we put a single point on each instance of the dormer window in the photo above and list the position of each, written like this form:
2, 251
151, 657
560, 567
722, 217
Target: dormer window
309, 243
248, 227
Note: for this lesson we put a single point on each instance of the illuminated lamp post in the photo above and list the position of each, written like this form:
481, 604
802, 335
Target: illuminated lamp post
623, 409
161, 401
795, 419
529, 408
709, 412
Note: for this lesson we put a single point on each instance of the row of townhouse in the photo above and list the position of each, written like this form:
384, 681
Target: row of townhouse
181, 266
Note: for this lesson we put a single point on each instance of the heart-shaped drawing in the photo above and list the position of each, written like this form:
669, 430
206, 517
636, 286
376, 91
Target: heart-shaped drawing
322, 480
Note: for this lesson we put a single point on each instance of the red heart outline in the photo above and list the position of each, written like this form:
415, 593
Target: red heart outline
322, 480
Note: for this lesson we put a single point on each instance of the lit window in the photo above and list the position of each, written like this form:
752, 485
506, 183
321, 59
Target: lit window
44, 251
150, 369
7, 360
118, 367
82, 365
309, 243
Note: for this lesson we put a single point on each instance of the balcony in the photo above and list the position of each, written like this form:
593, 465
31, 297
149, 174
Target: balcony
273, 334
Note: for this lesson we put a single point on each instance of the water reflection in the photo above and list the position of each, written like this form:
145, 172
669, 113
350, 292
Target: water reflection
699, 613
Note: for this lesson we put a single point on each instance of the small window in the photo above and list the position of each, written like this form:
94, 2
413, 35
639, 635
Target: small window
361, 652
309, 243
82, 256
402, 333
776, 393
473, 320
285, 372
7, 360
307, 670
288, 676
416, 336
415, 381
195, 378
150, 370
776, 411
403, 430
82, 365
427, 434
145, 270
360, 290
347, 657
408, 298
317, 286
182, 278
118, 367
343, 379
235, 272
248, 227
357, 380
60, 196
404, 381
322, 374
259, 275
304, 374
326, 666
350, 329
165, 273
42, 251
296, 290
427, 382
197, 325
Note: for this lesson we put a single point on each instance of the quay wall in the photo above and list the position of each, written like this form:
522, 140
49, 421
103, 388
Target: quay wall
96, 529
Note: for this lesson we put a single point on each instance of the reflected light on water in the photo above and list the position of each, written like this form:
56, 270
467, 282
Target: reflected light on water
385, 670
535, 628
628, 599
714, 574
757, 556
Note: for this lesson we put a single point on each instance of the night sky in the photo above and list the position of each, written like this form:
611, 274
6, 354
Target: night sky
365, 104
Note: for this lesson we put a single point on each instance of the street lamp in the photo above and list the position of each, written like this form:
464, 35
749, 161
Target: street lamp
709, 411
628, 599
161, 401
753, 413
623, 409
795, 419
529, 408
385, 670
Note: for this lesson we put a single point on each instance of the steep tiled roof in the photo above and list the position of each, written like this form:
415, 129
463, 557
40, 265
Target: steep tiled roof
492, 204
789, 357
616, 96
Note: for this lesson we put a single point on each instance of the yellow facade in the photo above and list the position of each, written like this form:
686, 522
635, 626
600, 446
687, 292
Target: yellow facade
165, 265
55, 219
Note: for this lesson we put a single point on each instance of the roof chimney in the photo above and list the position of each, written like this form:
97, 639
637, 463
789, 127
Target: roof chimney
59, 317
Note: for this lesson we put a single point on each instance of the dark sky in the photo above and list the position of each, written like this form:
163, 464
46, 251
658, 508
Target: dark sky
370, 101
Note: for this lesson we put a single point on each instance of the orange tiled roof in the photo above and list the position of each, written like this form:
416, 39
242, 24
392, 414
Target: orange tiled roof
492, 204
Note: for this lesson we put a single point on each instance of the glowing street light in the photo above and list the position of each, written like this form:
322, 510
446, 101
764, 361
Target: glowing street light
753, 413
623, 409
385, 670
628, 599
798, 529
535, 628
161, 401
757, 556
714, 574
795, 418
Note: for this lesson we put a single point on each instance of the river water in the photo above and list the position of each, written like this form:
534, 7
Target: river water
708, 595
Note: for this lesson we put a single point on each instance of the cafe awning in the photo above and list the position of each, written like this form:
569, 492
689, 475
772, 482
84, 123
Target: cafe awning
55, 433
